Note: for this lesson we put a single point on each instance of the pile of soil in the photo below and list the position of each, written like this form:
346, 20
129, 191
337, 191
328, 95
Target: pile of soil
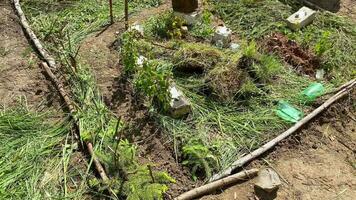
303, 60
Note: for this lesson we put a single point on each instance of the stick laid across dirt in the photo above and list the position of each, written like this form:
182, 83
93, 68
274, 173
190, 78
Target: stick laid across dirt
242, 161
24, 23
211, 187
72, 109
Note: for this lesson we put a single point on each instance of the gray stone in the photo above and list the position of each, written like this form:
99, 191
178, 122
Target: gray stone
301, 18
234, 47
268, 180
179, 105
222, 36
189, 18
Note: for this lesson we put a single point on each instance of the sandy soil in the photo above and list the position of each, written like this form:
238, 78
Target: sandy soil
319, 162
20, 76
348, 9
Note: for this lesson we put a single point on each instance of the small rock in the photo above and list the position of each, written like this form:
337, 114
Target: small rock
184, 30
222, 36
301, 18
179, 105
268, 180
234, 46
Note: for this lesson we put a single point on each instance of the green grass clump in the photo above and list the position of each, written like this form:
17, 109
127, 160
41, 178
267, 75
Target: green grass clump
204, 29
33, 158
196, 57
165, 25
154, 80
199, 158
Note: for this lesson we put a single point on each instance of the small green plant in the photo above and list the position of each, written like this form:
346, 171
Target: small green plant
165, 26
204, 29
251, 50
324, 44
199, 159
153, 80
129, 52
135, 181
266, 67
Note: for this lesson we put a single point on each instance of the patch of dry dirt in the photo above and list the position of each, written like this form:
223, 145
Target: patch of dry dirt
348, 9
316, 163
20, 75
96, 51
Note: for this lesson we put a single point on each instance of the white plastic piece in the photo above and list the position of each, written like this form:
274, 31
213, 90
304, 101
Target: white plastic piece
189, 18
137, 27
320, 74
301, 18
222, 36
140, 60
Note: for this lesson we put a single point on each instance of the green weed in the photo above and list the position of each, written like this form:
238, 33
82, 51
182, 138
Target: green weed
153, 80
165, 25
204, 29
199, 158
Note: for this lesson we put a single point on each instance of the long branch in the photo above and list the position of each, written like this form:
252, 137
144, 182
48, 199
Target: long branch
242, 161
211, 187
36, 42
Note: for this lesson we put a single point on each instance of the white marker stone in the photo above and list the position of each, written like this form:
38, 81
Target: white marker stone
179, 105
222, 36
301, 18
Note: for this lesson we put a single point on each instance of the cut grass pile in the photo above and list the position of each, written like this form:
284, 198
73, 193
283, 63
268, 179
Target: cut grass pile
33, 158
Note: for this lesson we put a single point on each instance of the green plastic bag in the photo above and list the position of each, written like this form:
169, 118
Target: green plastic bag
312, 92
288, 112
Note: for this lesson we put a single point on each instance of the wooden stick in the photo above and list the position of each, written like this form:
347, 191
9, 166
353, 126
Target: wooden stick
24, 23
126, 14
50, 63
211, 187
111, 14
242, 161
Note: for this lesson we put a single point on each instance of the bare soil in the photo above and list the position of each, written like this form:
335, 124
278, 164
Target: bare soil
21, 78
348, 9
318, 162
303, 60
154, 146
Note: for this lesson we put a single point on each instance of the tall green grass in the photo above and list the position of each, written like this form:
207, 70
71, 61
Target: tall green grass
32, 157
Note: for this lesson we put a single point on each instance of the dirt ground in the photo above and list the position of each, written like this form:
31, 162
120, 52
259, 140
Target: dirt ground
348, 9
20, 76
318, 162
98, 52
